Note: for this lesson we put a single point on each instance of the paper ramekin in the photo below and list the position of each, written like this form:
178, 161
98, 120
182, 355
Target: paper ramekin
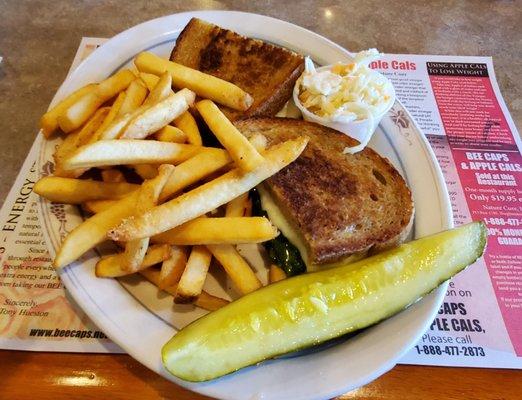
361, 130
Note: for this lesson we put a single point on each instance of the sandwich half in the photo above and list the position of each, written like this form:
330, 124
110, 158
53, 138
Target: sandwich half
265, 71
334, 207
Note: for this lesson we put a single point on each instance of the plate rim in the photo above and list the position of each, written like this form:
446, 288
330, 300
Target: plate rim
433, 164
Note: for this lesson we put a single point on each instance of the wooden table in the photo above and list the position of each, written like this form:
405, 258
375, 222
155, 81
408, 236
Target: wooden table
42, 376
38, 40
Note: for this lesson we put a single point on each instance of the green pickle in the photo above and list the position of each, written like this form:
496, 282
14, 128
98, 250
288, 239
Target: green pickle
312, 308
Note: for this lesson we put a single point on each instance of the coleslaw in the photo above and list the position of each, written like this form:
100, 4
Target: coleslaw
346, 92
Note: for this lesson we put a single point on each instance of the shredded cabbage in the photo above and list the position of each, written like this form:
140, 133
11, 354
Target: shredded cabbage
345, 92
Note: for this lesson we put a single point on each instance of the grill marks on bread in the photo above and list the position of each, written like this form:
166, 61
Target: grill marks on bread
340, 203
265, 71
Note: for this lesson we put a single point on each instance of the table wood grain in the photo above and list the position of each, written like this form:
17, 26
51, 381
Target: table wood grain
55, 376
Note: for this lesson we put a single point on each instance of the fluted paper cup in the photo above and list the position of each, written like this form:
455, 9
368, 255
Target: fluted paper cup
361, 129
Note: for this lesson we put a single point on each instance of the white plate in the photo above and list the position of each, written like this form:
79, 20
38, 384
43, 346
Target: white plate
139, 320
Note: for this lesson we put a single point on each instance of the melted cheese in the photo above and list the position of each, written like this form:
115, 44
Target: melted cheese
280, 221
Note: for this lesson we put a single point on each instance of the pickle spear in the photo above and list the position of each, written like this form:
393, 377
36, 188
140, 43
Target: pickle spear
309, 309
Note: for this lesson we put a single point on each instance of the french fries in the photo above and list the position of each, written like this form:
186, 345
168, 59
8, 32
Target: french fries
147, 198
158, 115
185, 239
80, 111
188, 125
205, 85
209, 196
227, 230
49, 121
170, 133
134, 97
236, 267
172, 268
113, 266
242, 277
63, 151
150, 79
92, 125
146, 171
75, 140
194, 169
193, 278
204, 300
93, 231
116, 128
240, 149
161, 90
275, 274
236, 207
113, 113
112, 175
96, 206
129, 151
77, 191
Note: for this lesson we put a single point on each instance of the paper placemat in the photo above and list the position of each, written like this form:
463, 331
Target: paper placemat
457, 104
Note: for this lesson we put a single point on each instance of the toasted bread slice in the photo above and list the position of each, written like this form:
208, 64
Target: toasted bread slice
267, 72
340, 204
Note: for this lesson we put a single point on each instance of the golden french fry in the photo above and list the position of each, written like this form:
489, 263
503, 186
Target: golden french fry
92, 125
208, 196
64, 151
170, 133
75, 140
150, 80
134, 97
193, 278
189, 126
147, 198
195, 169
236, 207
80, 111
226, 230
96, 206
146, 171
172, 268
158, 115
113, 266
115, 109
162, 89
204, 300
240, 149
49, 121
236, 267
205, 85
94, 230
112, 175
129, 151
275, 274
114, 84
114, 129
77, 191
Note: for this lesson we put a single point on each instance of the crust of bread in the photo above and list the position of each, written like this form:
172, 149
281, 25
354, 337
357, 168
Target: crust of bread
341, 204
267, 72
